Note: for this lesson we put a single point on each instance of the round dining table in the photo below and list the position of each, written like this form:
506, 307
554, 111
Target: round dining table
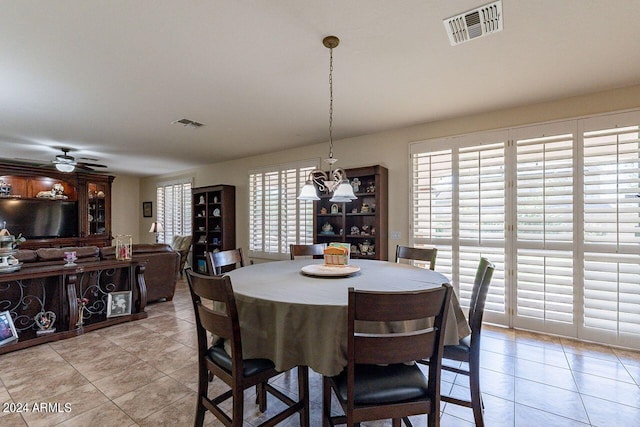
295, 318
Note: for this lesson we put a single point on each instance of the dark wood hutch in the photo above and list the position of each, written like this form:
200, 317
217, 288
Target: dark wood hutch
92, 192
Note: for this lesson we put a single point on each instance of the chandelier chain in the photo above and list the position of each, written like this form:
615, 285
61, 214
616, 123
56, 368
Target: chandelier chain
331, 103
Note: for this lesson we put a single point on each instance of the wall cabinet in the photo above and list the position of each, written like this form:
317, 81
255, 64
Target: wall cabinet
363, 223
214, 222
84, 202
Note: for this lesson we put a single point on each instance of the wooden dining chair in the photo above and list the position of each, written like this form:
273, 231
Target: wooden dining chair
238, 373
418, 254
224, 261
378, 382
315, 250
468, 350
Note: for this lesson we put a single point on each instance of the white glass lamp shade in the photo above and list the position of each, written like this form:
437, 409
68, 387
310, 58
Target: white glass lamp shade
308, 192
344, 191
65, 167
156, 227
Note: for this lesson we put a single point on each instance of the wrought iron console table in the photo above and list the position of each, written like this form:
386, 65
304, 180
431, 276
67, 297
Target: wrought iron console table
68, 292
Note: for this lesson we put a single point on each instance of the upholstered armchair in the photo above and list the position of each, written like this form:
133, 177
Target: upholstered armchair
182, 245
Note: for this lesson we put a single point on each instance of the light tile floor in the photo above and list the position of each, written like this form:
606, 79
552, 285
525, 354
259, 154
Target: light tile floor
144, 374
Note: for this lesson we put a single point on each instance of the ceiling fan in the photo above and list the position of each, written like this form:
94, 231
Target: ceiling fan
67, 163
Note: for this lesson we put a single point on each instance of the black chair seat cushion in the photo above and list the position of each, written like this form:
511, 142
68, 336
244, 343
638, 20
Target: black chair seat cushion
251, 366
458, 352
383, 384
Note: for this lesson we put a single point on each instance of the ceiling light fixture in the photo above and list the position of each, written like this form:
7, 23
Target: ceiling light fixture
65, 167
335, 181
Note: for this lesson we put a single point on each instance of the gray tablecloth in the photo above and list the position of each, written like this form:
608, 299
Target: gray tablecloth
294, 319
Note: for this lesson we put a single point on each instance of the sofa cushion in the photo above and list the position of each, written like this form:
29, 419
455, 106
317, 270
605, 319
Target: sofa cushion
26, 255
56, 255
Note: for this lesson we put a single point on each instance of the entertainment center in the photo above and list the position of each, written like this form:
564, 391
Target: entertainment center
55, 209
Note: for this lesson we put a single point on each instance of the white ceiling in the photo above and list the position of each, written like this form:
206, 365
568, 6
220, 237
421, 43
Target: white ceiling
108, 77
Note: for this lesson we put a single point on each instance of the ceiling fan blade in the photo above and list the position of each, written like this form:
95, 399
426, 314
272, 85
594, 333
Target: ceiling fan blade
95, 165
84, 167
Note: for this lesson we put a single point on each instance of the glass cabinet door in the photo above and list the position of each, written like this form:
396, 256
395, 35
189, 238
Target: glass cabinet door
97, 214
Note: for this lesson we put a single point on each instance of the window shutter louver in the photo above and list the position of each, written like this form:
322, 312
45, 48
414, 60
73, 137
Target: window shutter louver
277, 218
173, 210
544, 229
612, 233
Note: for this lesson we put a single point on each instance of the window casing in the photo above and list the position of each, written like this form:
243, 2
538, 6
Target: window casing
276, 218
173, 200
555, 206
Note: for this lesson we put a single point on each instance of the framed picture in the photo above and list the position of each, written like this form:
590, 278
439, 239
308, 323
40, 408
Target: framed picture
118, 304
147, 209
8, 333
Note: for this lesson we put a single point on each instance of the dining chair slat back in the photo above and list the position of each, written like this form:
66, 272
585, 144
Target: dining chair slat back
315, 250
224, 261
216, 313
365, 388
427, 255
468, 350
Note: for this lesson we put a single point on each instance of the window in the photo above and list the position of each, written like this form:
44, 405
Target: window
276, 218
555, 206
174, 209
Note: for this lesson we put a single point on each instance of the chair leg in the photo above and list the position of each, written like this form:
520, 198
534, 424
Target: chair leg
396, 422
203, 387
261, 396
238, 406
303, 394
326, 402
476, 397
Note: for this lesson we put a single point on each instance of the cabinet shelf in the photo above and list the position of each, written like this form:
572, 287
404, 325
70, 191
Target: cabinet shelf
370, 177
221, 227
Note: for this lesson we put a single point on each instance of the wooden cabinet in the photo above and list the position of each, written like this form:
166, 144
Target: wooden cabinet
78, 204
214, 222
363, 222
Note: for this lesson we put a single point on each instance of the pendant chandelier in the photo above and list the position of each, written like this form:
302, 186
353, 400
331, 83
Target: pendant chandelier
335, 181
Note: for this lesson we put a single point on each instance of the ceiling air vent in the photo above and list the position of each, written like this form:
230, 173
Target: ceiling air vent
187, 122
475, 23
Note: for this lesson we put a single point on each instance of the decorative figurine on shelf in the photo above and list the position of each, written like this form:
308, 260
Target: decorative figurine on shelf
371, 187
201, 200
327, 229
373, 231
365, 229
215, 199
5, 189
323, 211
364, 208
355, 184
45, 321
366, 248
334, 208
82, 303
354, 249
355, 231
123, 247
373, 207
69, 258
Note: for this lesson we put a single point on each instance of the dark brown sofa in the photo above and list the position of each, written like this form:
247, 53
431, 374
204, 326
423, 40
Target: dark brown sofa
162, 269
161, 272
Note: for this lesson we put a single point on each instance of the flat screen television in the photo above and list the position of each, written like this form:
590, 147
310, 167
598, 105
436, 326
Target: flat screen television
39, 218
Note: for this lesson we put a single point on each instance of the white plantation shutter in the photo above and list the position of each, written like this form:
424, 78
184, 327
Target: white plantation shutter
545, 227
173, 201
556, 208
458, 206
276, 218
611, 149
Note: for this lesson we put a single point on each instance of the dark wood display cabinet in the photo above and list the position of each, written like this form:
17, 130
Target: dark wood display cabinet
214, 222
55, 209
363, 223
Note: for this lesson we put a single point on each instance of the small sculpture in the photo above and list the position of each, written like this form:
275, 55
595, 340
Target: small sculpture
355, 184
327, 228
334, 208
355, 231
323, 211
365, 208
45, 321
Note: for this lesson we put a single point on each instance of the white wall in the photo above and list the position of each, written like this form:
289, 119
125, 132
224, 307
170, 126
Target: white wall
126, 208
390, 149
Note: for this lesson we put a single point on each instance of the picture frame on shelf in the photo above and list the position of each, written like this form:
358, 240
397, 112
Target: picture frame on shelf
8, 333
118, 304
147, 209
